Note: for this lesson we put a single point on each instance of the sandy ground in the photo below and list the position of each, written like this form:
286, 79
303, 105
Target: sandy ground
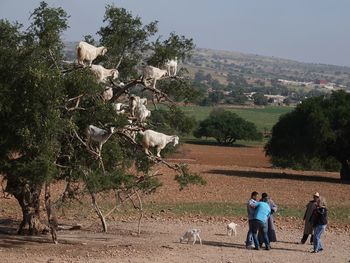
159, 242
231, 174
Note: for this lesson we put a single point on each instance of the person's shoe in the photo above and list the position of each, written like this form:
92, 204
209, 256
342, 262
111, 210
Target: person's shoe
314, 251
268, 248
256, 248
321, 249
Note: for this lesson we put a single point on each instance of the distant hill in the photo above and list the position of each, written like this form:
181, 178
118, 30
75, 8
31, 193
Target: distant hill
222, 63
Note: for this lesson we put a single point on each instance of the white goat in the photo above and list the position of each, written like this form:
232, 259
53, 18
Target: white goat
231, 228
191, 234
141, 112
156, 139
88, 52
107, 94
102, 73
152, 74
134, 102
119, 108
98, 135
129, 130
171, 66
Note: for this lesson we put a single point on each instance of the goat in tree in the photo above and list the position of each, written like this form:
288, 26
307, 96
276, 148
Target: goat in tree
159, 140
102, 73
134, 102
151, 75
87, 52
171, 66
95, 134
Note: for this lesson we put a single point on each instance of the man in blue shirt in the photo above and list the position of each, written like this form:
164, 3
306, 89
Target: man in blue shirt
262, 212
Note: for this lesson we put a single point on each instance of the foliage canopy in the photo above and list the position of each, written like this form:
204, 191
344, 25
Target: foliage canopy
318, 130
227, 127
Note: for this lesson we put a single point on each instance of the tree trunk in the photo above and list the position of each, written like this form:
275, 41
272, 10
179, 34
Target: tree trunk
99, 212
29, 200
345, 171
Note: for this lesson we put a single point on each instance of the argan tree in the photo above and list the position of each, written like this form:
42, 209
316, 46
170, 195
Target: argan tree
45, 110
227, 127
316, 135
31, 93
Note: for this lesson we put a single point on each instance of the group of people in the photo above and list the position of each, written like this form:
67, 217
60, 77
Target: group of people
261, 223
260, 219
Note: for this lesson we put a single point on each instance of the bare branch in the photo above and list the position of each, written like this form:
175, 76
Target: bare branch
53, 59
75, 67
140, 208
52, 220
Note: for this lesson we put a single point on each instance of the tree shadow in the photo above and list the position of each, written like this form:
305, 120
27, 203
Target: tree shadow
240, 246
214, 143
9, 226
277, 175
223, 244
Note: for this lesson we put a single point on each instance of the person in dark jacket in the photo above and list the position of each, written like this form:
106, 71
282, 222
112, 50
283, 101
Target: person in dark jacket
319, 221
308, 226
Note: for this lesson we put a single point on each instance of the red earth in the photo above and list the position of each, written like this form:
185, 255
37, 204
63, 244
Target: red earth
232, 173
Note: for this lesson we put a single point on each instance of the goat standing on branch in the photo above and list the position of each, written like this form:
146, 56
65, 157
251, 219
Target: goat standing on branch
120, 108
171, 66
151, 75
87, 52
141, 113
135, 102
98, 135
156, 139
102, 73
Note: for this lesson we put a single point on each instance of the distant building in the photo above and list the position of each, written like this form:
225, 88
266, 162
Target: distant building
276, 99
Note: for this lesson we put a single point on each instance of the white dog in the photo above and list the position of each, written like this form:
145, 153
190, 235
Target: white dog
231, 228
191, 234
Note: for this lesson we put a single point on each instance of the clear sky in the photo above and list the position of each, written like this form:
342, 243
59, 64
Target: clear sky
305, 30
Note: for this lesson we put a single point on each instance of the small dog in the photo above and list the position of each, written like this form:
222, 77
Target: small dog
191, 234
231, 228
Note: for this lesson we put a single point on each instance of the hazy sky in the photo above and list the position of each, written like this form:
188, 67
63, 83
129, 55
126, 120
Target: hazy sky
304, 30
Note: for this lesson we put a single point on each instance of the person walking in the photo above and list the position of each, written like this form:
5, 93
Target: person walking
251, 210
262, 212
271, 230
308, 227
320, 221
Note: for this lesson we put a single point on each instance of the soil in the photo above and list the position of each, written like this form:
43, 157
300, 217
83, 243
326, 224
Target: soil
231, 174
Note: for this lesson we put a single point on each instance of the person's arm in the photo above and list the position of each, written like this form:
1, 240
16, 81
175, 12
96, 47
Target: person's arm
253, 204
307, 209
273, 206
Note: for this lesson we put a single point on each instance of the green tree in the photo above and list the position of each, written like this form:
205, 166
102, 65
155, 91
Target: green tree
227, 127
30, 86
172, 120
126, 39
45, 111
260, 99
317, 131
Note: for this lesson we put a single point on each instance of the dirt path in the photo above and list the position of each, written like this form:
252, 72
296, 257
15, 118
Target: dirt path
159, 242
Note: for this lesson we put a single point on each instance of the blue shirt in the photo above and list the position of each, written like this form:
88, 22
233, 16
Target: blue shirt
262, 211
